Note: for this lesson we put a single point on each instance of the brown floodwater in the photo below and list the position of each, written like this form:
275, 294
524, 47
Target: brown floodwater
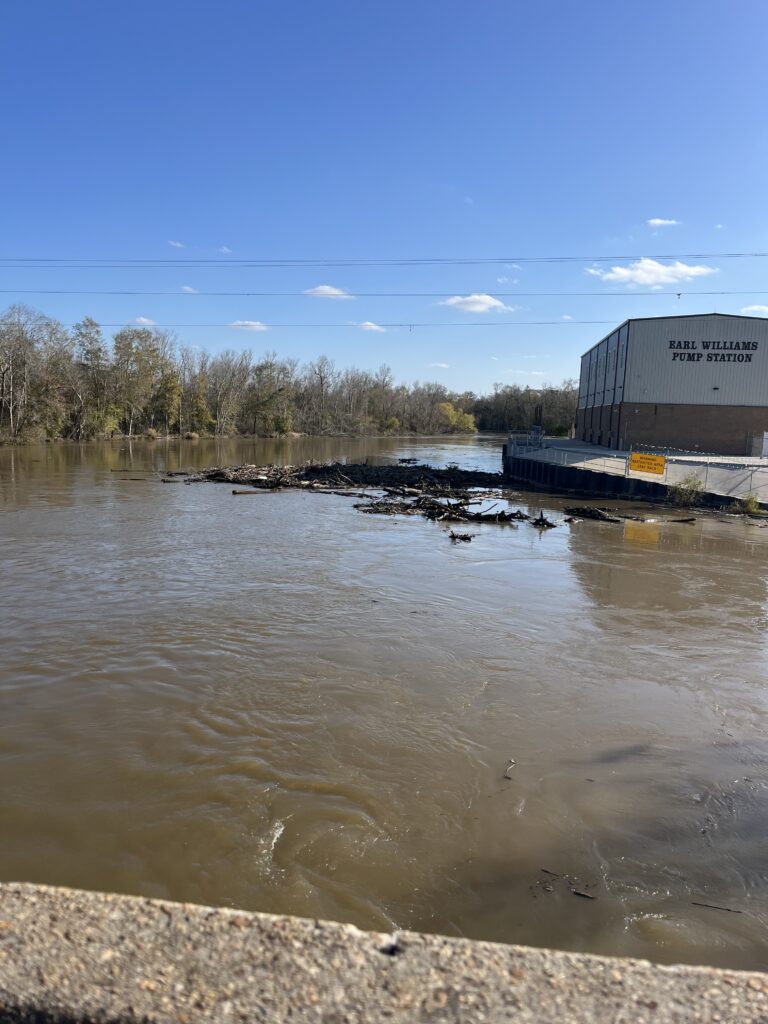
278, 703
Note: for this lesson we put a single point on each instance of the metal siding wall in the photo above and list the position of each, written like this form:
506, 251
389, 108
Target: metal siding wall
653, 376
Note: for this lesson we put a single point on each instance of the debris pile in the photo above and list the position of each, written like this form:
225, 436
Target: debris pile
440, 510
420, 478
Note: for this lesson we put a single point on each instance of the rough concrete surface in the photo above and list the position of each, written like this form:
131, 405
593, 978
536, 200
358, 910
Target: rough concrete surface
67, 955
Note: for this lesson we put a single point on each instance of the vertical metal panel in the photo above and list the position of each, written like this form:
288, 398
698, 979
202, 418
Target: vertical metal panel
621, 362
600, 373
704, 360
592, 378
584, 381
612, 346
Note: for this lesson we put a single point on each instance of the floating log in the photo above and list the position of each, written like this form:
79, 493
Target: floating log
591, 512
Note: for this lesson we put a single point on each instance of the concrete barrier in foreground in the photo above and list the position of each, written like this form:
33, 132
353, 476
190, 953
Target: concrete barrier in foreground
71, 956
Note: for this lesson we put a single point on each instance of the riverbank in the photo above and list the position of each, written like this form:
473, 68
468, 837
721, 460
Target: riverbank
290, 435
67, 955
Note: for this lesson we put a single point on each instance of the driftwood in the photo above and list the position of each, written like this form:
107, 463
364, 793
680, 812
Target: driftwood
467, 537
438, 511
591, 512
603, 515
543, 523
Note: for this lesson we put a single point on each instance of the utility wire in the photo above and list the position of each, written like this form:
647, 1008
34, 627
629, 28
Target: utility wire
374, 295
51, 262
256, 327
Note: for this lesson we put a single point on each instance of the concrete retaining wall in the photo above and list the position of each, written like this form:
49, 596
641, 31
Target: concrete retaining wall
70, 956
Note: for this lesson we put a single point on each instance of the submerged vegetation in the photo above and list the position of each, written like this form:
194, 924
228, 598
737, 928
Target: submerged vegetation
74, 383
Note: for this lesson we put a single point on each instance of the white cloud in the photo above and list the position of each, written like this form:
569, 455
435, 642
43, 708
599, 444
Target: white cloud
477, 302
368, 325
755, 310
502, 280
650, 272
661, 222
189, 289
719, 227
441, 366
145, 321
567, 316
528, 373
512, 266
225, 250
249, 325
469, 201
495, 359
176, 245
327, 291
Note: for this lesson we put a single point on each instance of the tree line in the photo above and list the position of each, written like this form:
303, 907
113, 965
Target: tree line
74, 383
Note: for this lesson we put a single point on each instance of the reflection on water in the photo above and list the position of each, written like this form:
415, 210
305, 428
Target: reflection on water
275, 702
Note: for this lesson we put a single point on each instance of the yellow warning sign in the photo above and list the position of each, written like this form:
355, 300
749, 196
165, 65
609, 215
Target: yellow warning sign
641, 463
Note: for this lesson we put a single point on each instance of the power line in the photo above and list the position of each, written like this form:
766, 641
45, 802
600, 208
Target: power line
374, 295
72, 262
255, 328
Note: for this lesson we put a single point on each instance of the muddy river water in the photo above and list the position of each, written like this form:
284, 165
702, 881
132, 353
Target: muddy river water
278, 703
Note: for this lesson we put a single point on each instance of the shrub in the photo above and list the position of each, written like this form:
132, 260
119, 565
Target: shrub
688, 492
748, 505
190, 435
151, 434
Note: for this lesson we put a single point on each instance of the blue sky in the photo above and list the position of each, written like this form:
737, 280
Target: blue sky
361, 130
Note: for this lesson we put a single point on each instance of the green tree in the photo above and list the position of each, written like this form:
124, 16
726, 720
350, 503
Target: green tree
93, 411
136, 358
456, 421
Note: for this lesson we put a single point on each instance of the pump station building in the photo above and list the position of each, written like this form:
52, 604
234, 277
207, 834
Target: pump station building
696, 383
